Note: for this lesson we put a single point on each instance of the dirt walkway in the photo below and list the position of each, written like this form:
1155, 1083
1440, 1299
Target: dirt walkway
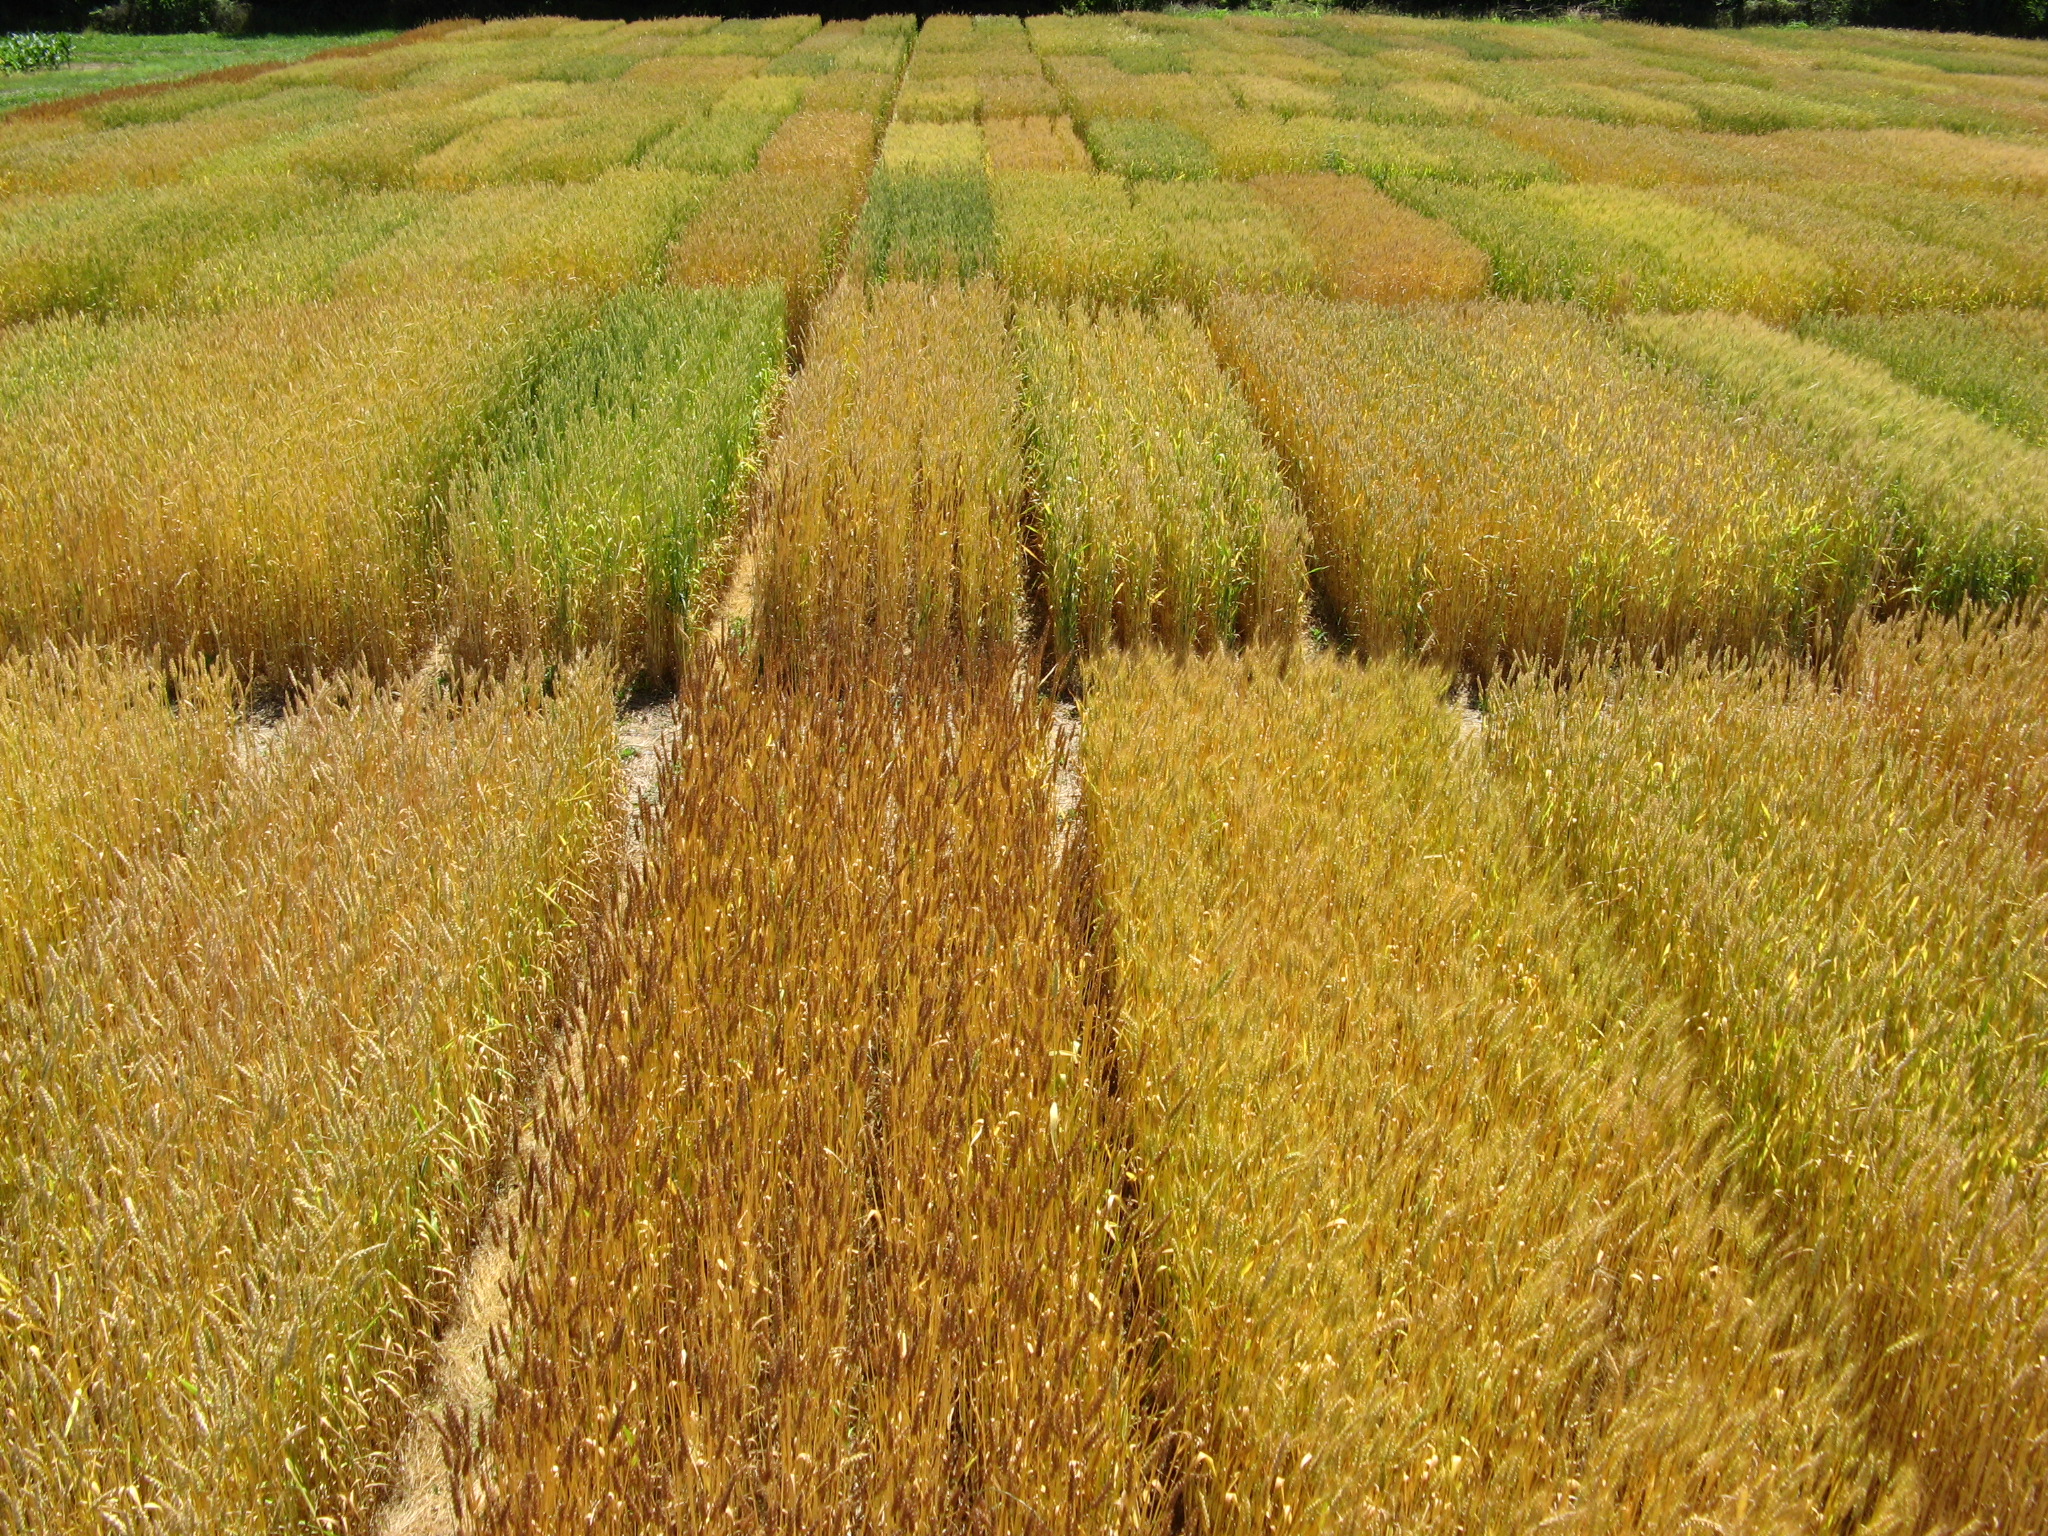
461, 1386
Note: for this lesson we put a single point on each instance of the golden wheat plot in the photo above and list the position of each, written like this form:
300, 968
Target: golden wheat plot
762, 228
1034, 144
1069, 236
129, 249
1492, 481
137, 156
597, 236
184, 173
303, 257
841, 1238
892, 493
249, 1102
1219, 236
1370, 247
787, 221
1876, 266
821, 144
2007, 235
465, 108
44, 358
260, 486
587, 133
72, 821
1969, 697
1441, 1242
1159, 512
1827, 883
1620, 248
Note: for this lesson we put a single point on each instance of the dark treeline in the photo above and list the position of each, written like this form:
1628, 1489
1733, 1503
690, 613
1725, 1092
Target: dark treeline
2022, 18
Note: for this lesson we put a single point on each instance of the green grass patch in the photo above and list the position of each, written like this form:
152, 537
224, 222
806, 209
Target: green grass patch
1146, 149
927, 226
594, 519
102, 61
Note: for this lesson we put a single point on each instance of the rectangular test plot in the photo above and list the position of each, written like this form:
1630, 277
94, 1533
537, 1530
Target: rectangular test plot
839, 1236
257, 1073
1440, 1220
1837, 883
1499, 480
892, 495
1965, 499
257, 485
1158, 511
603, 510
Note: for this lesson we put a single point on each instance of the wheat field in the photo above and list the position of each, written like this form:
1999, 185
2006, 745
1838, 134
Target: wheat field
1249, 771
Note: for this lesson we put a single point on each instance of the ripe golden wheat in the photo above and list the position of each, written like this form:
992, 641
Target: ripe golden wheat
270, 496
1495, 481
250, 1100
840, 1233
892, 492
1849, 912
1439, 1208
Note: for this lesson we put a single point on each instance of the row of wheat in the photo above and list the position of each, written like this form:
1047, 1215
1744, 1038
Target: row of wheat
836, 1233
1478, 483
264, 1003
